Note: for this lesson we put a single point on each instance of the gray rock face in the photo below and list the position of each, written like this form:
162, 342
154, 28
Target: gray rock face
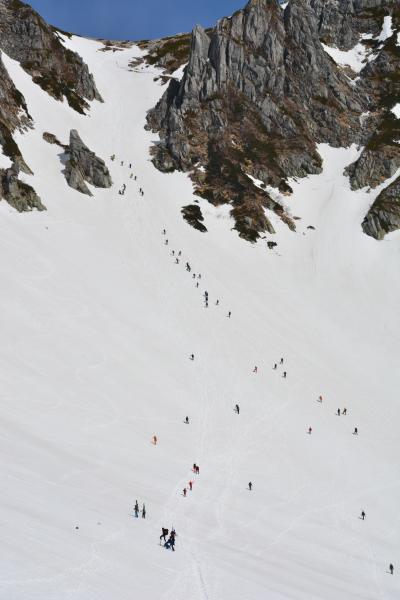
84, 166
341, 22
273, 58
263, 84
27, 38
13, 109
13, 116
384, 215
381, 156
259, 93
374, 167
19, 195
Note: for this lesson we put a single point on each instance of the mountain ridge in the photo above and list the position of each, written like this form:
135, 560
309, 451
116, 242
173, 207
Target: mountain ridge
330, 120
258, 94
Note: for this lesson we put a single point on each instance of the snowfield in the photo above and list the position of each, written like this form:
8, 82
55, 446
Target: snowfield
97, 325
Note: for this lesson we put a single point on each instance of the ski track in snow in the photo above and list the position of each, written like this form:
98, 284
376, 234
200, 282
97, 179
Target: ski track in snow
98, 323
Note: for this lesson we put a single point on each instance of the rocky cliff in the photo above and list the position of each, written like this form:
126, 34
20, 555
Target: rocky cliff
18, 194
82, 166
381, 82
27, 38
341, 23
384, 215
260, 92
255, 99
13, 116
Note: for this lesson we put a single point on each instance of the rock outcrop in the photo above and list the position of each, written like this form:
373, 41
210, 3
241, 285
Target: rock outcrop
193, 215
18, 194
341, 22
384, 215
260, 92
168, 54
83, 166
27, 38
13, 116
256, 97
50, 138
380, 158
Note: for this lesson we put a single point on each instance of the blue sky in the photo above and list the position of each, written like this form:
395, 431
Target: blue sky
133, 19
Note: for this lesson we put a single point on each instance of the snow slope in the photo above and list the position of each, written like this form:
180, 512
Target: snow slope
97, 324
355, 58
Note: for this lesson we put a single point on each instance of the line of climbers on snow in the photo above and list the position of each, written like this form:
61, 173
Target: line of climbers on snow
169, 542
122, 191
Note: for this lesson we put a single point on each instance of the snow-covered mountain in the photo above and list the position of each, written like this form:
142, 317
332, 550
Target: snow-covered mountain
98, 322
